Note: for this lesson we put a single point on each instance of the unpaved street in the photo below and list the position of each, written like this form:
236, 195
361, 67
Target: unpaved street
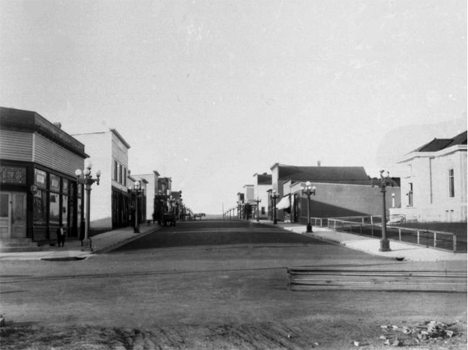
231, 292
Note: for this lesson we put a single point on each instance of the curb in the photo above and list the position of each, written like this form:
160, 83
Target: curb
125, 241
65, 258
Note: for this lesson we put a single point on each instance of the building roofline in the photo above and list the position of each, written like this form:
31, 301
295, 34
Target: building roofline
116, 133
442, 152
23, 120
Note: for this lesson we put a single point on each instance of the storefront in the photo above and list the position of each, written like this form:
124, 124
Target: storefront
38, 188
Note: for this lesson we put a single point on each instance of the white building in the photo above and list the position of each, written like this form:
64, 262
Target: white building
262, 185
151, 191
433, 182
110, 205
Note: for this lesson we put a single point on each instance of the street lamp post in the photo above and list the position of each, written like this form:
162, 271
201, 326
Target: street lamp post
308, 190
160, 202
274, 197
258, 200
85, 177
137, 191
383, 182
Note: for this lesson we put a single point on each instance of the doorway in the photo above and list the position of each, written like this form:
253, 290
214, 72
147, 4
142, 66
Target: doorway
12, 215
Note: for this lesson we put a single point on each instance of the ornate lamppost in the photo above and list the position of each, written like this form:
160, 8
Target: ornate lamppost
138, 192
160, 200
383, 182
308, 190
257, 201
85, 177
274, 197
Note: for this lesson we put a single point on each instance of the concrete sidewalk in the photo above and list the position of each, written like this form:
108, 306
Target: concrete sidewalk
101, 243
399, 250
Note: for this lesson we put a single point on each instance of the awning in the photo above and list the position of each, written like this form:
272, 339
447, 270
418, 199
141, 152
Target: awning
284, 203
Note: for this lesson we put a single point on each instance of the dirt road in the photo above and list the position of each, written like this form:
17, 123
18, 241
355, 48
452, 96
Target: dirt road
213, 297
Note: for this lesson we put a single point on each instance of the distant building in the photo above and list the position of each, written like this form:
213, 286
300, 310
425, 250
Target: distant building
110, 202
137, 202
340, 192
434, 182
240, 205
38, 187
262, 184
152, 189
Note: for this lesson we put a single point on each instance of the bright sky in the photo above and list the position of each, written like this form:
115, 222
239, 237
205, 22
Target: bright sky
211, 92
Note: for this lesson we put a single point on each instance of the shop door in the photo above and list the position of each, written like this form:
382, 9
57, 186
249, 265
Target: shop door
5, 215
18, 224
12, 215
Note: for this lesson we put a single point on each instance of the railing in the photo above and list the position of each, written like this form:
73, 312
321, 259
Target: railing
318, 221
372, 219
428, 238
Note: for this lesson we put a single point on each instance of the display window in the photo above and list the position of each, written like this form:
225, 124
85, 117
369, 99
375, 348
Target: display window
40, 178
54, 183
65, 210
54, 208
40, 207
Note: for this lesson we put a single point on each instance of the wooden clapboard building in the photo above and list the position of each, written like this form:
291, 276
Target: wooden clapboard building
38, 187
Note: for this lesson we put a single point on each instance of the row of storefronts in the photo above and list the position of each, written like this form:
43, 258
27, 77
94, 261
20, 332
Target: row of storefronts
40, 190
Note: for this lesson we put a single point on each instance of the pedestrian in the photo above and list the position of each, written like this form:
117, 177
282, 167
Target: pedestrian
61, 236
82, 230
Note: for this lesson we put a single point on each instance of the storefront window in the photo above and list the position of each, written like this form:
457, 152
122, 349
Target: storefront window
54, 208
64, 210
4, 205
54, 183
78, 212
39, 207
40, 178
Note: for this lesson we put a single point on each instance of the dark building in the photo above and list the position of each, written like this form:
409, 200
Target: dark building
38, 187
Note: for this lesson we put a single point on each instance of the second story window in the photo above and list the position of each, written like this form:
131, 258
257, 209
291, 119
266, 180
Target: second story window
451, 183
120, 173
410, 195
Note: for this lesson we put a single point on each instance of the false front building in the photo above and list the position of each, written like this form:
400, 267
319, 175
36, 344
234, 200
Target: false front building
38, 187
111, 207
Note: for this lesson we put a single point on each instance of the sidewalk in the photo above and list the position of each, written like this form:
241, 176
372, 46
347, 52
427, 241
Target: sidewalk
399, 250
108, 241
101, 243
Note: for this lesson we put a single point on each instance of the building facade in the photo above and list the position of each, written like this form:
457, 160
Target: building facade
151, 192
110, 203
262, 184
434, 182
340, 192
38, 187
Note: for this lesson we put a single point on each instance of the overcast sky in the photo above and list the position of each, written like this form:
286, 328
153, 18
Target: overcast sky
212, 92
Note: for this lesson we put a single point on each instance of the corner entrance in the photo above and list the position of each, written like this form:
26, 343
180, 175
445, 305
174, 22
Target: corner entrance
12, 215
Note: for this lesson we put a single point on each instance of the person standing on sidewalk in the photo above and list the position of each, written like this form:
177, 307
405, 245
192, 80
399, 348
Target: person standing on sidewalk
61, 236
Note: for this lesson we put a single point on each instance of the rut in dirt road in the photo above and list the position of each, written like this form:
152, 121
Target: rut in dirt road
261, 336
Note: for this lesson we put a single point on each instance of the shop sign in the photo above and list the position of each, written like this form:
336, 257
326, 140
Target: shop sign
40, 178
12, 175
54, 183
